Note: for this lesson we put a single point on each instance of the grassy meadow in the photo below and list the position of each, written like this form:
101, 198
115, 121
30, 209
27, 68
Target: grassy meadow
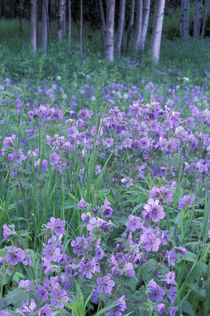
104, 185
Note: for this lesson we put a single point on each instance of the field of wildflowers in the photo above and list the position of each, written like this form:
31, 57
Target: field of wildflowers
103, 193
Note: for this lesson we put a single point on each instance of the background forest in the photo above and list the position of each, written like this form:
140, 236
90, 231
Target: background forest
104, 157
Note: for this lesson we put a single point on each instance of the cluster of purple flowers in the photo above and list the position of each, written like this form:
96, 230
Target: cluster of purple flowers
101, 267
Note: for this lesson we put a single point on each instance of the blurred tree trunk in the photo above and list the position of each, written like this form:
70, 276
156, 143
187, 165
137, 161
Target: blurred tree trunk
138, 24
69, 21
34, 24
204, 18
109, 34
45, 17
185, 13
145, 23
121, 24
81, 27
64, 18
157, 29
103, 23
197, 18
130, 27
60, 20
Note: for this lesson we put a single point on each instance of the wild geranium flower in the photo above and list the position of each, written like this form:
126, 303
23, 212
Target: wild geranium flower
51, 253
8, 231
45, 311
134, 223
105, 284
59, 295
16, 255
97, 170
150, 240
4, 313
172, 310
161, 308
27, 308
170, 278
129, 269
107, 210
153, 210
82, 203
186, 201
57, 226
171, 257
119, 309
42, 293
156, 291
163, 194
55, 159
87, 268
173, 294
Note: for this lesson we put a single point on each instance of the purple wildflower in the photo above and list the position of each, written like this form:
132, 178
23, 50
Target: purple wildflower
45, 311
171, 257
186, 201
133, 223
161, 308
170, 278
153, 210
107, 210
121, 307
105, 284
172, 310
57, 226
82, 203
156, 291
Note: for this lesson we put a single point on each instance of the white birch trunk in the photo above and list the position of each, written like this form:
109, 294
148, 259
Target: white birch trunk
121, 25
157, 29
109, 34
61, 20
145, 23
130, 27
34, 24
69, 21
44, 25
197, 18
138, 24
204, 18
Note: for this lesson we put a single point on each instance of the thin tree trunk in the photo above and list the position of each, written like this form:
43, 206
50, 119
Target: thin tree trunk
69, 21
44, 25
61, 20
157, 29
121, 25
145, 23
81, 27
64, 18
48, 22
204, 18
33, 24
103, 23
138, 24
197, 18
130, 27
185, 17
109, 35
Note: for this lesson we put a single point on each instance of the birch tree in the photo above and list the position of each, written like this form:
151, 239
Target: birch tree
130, 27
103, 22
145, 23
109, 31
138, 24
34, 24
197, 18
60, 20
69, 21
157, 29
121, 24
81, 27
64, 17
185, 18
44, 25
204, 18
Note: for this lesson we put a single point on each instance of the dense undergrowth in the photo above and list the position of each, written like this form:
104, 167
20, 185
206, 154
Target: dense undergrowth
104, 181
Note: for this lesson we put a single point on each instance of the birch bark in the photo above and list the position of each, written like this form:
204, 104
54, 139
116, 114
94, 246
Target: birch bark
121, 25
44, 25
138, 24
197, 18
109, 34
145, 23
33, 24
157, 29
